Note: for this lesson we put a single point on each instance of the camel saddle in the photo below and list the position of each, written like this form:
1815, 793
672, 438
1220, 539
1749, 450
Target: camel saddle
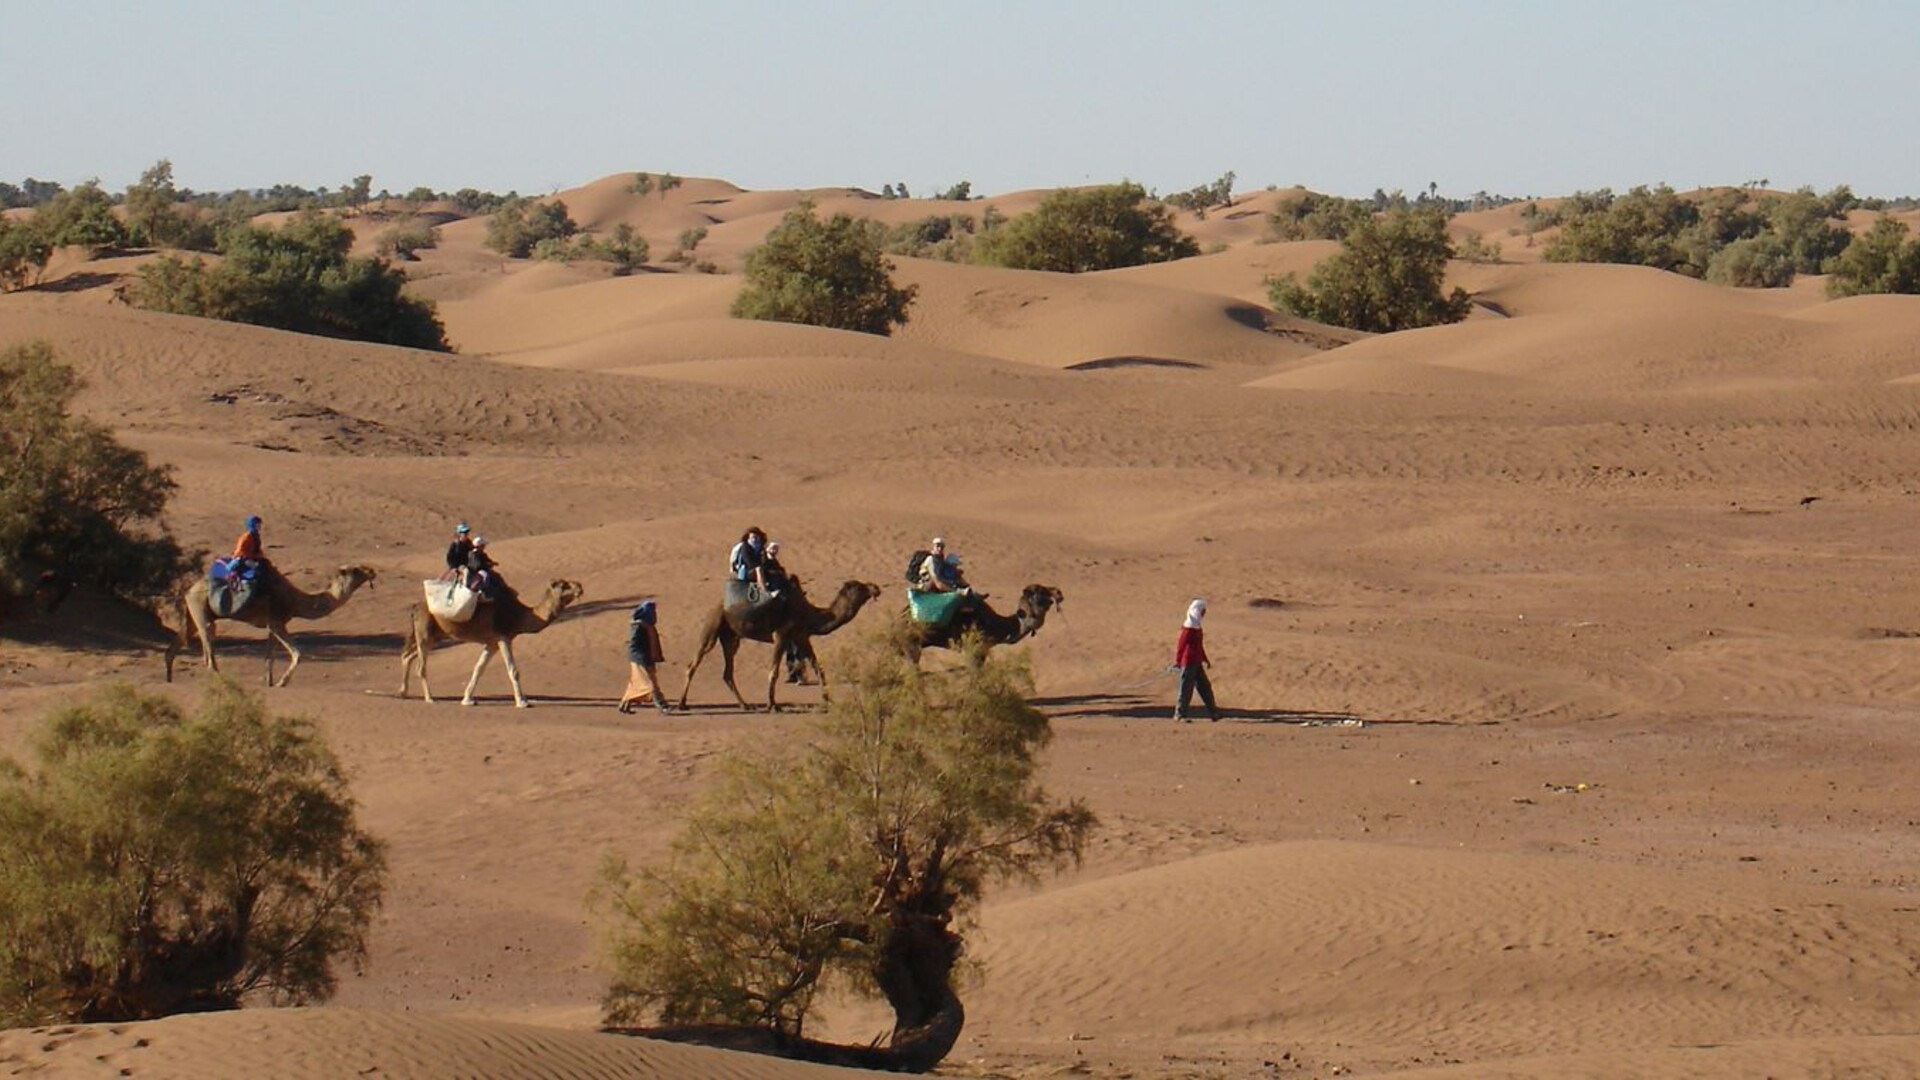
229, 590
747, 595
933, 608
450, 600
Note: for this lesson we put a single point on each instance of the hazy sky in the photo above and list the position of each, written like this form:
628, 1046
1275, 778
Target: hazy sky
1535, 98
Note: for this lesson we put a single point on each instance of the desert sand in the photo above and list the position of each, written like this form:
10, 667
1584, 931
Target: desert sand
1568, 653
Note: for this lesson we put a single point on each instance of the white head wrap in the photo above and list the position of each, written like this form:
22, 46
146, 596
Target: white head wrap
1195, 612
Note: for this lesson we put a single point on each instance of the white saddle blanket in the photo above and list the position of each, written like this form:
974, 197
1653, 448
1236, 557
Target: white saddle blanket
451, 600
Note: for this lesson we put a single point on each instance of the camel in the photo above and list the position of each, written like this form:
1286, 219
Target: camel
789, 618
492, 627
277, 602
994, 629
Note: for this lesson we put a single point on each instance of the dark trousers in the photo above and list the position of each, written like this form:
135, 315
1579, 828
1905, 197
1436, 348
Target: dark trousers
1194, 677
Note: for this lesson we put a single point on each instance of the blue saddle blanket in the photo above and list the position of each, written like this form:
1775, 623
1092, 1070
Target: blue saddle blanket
933, 608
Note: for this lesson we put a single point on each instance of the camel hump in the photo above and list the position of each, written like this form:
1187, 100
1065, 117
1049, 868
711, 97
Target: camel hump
748, 596
934, 608
451, 600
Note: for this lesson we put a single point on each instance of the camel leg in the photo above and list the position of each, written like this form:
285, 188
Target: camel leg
513, 673
730, 645
486, 654
773, 675
420, 653
707, 637
280, 634
183, 639
202, 624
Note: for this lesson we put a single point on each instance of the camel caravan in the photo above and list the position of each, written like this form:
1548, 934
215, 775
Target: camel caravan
471, 602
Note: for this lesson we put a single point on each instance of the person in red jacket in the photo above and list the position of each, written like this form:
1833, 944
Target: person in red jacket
1190, 656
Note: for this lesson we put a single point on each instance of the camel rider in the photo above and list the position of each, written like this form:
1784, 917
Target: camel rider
940, 572
459, 553
770, 568
749, 557
249, 552
482, 577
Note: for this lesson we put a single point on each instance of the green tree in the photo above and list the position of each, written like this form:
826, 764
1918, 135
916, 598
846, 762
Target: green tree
298, 277
23, 254
959, 192
1314, 216
668, 182
1805, 224
71, 497
403, 240
156, 217
851, 858
80, 217
641, 184
822, 273
1099, 228
1389, 275
1879, 261
521, 224
1757, 262
1642, 228
155, 863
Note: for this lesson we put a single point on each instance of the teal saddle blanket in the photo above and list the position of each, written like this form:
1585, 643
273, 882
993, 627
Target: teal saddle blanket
933, 608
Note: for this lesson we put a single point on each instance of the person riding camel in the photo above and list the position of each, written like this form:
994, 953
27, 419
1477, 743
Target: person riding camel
775, 574
482, 575
940, 572
249, 551
459, 553
748, 560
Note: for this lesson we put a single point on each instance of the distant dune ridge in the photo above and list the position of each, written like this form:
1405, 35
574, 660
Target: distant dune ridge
1619, 528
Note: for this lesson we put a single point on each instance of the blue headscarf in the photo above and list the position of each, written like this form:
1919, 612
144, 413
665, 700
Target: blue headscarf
644, 613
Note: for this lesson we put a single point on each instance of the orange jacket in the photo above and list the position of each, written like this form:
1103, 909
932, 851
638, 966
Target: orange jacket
248, 546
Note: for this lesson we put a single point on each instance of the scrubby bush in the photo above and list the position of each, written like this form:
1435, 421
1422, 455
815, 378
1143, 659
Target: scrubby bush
851, 858
1474, 248
690, 238
23, 254
1389, 275
641, 184
1641, 228
1879, 261
521, 224
80, 217
1204, 197
298, 277
822, 273
1757, 262
1806, 224
959, 192
948, 237
402, 241
157, 218
155, 863
1314, 216
1075, 231
71, 497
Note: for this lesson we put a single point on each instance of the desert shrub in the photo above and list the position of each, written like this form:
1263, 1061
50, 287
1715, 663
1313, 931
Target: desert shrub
520, 224
1076, 231
822, 273
156, 216
948, 237
641, 184
72, 497
402, 241
23, 254
856, 855
1388, 275
1757, 262
28, 192
1641, 228
1474, 248
1203, 197
1879, 261
80, 217
667, 182
1805, 223
959, 192
156, 863
298, 277
690, 238
1314, 216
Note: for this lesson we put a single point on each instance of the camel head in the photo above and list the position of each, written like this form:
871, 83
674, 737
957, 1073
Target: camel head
348, 579
1035, 602
857, 594
562, 593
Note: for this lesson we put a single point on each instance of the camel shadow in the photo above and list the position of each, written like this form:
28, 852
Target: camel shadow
1160, 707
612, 603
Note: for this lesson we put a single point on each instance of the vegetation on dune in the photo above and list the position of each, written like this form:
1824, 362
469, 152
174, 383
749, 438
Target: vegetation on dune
73, 501
1076, 231
298, 277
155, 863
823, 273
1389, 274
851, 861
521, 225
1204, 197
1729, 235
1882, 260
405, 240
1314, 216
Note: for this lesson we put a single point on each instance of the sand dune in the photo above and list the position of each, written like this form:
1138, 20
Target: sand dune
1624, 529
